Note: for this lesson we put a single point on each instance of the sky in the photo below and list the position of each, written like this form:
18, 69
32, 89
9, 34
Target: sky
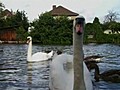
88, 8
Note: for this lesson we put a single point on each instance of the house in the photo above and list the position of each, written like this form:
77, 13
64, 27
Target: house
8, 34
110, 32
62, 11
6, 13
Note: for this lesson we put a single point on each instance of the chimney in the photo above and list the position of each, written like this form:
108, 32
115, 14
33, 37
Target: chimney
54, 6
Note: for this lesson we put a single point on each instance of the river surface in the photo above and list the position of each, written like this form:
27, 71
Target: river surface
17, 74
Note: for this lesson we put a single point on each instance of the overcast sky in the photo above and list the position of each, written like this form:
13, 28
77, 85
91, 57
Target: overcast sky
88, 8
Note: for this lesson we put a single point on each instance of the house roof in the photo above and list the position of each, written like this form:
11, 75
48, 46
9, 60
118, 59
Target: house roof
7, 13
60, 11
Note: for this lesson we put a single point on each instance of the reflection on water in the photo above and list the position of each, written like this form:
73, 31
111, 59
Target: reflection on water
29, 74
38, 75
17, 74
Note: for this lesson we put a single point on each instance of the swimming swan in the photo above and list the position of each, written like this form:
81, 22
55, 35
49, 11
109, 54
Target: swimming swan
39, 56
69, 72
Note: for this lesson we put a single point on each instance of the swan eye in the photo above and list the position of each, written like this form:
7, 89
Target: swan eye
28, 40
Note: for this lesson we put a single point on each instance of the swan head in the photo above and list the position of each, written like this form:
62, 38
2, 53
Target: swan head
78, 24
29, 39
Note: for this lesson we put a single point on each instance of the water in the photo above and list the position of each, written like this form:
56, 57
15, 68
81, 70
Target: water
17, 74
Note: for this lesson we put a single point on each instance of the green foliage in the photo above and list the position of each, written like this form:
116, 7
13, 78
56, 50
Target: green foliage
1, 9
96, 20
112, 38
93, 29
2, 23
18, 21
48, 30
21, 34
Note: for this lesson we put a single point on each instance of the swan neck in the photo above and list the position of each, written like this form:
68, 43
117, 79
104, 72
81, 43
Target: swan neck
79, 83
29, 57
78, 44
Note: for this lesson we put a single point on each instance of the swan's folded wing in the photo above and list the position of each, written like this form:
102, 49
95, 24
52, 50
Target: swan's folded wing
87, 78
61, 73
40, 56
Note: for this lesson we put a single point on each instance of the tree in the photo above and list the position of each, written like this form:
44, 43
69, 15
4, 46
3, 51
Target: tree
43, 28
48, 30
97, 26
21, 34
2, 6
96, 20
111, 16
20, 19
110, 21
93, 31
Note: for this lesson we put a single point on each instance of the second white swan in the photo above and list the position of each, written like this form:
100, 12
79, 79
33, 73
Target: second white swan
39, 56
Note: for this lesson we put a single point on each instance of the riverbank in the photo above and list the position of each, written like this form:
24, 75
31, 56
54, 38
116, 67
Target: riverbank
12, 42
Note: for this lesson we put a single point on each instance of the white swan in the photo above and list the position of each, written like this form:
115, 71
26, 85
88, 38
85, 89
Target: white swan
39, 56
70, 72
